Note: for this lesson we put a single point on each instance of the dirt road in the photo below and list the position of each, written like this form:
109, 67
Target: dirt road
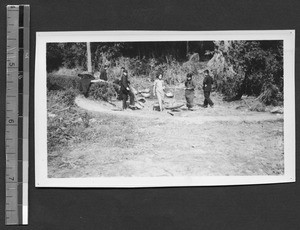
219, 141
198, 116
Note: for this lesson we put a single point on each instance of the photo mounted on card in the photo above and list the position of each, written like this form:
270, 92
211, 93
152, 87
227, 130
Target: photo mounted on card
164, 108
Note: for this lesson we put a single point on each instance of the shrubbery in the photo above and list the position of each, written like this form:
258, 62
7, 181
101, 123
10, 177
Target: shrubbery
239, 67
58, 82
143, 72
68, 97
61, 98
68, 87
66, 122
102, 91
66, 127
251, 68
271, 95
70, 125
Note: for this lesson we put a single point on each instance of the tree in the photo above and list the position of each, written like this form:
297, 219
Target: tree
54, 57
257, 68
89, 57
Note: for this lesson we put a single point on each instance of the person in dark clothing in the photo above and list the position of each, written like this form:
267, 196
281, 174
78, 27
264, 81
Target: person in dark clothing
85, 83
117, 82
189, 91
207, 85
117, 87
103, 73
125, 90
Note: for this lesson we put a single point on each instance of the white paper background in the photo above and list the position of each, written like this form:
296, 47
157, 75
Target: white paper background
42, 38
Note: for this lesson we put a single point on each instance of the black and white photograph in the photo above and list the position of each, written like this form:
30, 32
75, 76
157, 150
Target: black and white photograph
134, 109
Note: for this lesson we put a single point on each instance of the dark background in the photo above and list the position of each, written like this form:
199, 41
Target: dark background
233, 207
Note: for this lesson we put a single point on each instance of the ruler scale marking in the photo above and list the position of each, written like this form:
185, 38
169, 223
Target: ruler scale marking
25, 113
17, 114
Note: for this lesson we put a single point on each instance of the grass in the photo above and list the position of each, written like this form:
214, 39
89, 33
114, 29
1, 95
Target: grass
71, 128
108, 139
92, 144
69, 124
143, 147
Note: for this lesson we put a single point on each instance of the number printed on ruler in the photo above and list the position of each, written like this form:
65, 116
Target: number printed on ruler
16, 132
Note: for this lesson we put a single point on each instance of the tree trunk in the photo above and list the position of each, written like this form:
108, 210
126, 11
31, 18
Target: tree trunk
89, 57
187, 48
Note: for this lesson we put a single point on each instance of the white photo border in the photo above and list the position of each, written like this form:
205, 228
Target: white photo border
41, 172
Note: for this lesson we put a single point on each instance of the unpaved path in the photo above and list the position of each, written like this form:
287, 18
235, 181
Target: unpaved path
198, 116
206, 142
144, 147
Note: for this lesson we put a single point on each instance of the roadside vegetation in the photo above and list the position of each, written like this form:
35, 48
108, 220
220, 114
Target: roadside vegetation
241, 69
253, 68
70, 127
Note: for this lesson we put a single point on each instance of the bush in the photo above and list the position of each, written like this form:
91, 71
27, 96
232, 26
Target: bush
65, 121
59, 82
271, 95
61, 99
228, 84
249, 67
68, 97
102, 91
143, 72
67, 71
258, 107
66, 126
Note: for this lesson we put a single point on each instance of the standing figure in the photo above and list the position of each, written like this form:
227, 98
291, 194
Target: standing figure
189, 91
207, 83
103, 73
158, 90
117, 83
85, 82
125, 90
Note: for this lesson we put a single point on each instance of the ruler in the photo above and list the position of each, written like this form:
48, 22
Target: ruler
17, 114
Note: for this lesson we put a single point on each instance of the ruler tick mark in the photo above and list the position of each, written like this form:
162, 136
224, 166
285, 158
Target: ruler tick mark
17, 38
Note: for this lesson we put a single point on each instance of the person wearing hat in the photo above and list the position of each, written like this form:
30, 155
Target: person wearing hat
189, 91
103, 73
207, 85
125, 90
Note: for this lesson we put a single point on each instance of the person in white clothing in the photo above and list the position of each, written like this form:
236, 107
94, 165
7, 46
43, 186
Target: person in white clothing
158, 90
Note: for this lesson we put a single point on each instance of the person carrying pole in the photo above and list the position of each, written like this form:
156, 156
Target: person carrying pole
189, 91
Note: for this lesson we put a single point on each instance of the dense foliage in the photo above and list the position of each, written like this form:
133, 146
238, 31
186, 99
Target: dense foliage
59, 82
66, 122
69, 125
102, 91
252, 68
74, 55
239, 67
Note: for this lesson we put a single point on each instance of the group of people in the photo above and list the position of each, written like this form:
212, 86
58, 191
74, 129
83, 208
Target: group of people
190, 86
125, 88
126, 91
